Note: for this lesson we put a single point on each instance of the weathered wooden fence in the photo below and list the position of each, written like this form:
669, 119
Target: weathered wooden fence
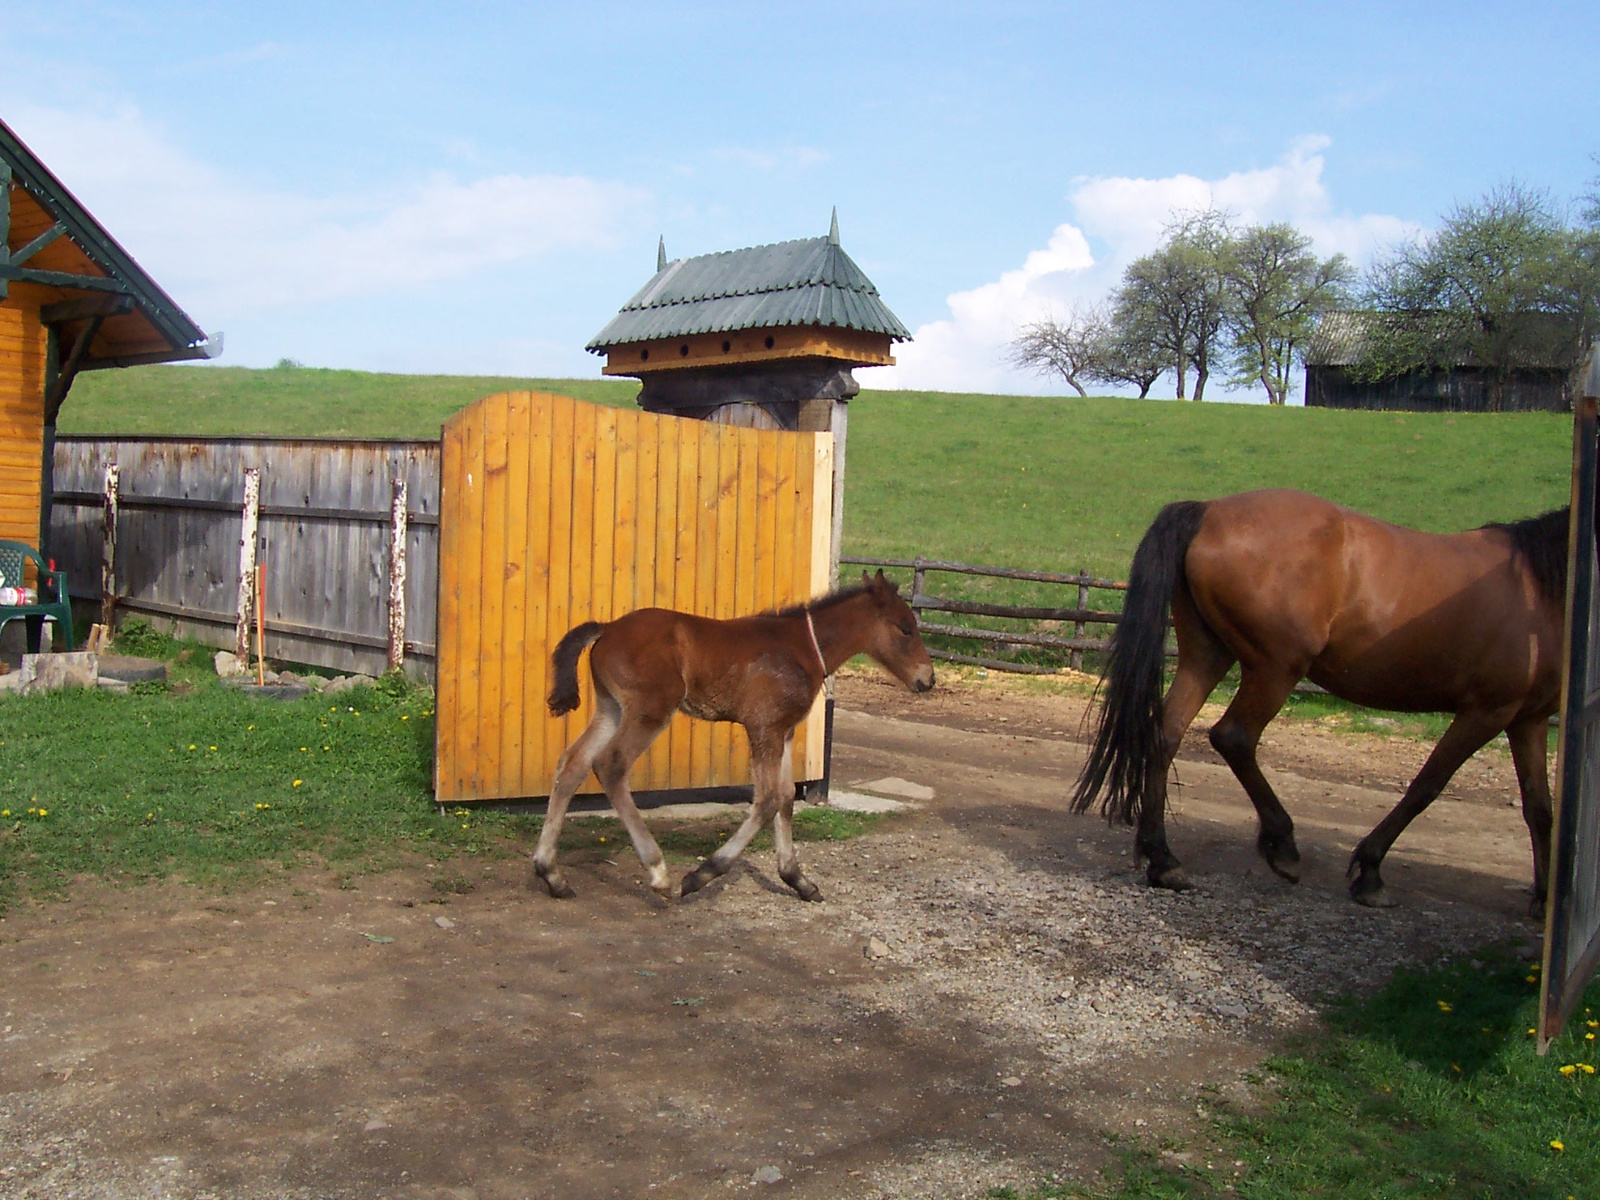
327, 533
1079, 614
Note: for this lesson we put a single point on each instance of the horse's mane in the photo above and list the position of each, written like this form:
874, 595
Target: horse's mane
822, 602
1542, 542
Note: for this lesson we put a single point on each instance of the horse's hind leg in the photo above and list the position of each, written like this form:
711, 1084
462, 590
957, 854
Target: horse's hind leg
1530, 748
1202, 662
765, 766
1468, 733
783, 830
573, 766
632, 739
1262, 692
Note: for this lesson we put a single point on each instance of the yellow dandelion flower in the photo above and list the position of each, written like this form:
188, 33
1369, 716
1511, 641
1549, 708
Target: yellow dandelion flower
1588, 1037
1455, 1068
296, 783
405, 718
1557, 1145
1444, 1005
1569, 1069
248, 728
302, 749
1531, 979
1531, 1032
1586, 1068
463, 824
149, 816
191, 745
1593, 1024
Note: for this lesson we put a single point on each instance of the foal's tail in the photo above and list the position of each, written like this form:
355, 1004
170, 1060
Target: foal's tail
1128, 755
564, 696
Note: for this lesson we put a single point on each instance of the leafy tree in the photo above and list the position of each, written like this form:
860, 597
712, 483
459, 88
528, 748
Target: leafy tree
1127, 352
1504, 282
1277, 289
1177, 294
1066, 347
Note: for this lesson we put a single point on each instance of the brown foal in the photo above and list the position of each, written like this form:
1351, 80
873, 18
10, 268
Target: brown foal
1290, 586
763, 672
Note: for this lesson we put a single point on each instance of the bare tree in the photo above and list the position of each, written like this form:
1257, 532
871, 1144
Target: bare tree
1066, 347
1127, 351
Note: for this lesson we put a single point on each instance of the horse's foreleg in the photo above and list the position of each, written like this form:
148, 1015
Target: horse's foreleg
632, 740
1202, 662
1262, 691
571, 769
1530, 747
1468, 733
765, 758
783, 830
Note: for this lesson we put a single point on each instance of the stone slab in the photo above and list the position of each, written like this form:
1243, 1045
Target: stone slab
893, 785
862, 803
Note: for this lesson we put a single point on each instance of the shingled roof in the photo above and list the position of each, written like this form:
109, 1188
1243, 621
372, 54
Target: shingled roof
810, 282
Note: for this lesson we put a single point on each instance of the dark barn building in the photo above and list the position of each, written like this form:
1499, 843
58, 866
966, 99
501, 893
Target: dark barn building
1543, 383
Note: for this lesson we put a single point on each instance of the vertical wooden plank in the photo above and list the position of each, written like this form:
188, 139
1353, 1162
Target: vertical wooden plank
705, 571
469, 569
766, 545
783, 575
491, 582
683, 586
580, 571
561, 489
537, 646
664, 566
747, 501
603, 535
514, 691
809, 765
647, 439
447, 631
728, 439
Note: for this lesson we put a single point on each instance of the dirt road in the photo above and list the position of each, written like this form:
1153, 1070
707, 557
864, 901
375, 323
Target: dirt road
1031, 993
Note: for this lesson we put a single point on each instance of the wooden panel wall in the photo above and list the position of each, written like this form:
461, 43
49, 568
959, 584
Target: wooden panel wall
555, 512
327, 593
22, 355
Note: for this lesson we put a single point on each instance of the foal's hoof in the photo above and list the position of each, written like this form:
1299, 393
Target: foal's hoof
694, 881
559, 888
1174, 879
1286, 868
807, 890
1369, 890
1281, 855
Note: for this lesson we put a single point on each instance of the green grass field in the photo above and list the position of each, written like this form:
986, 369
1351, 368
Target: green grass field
1051, 483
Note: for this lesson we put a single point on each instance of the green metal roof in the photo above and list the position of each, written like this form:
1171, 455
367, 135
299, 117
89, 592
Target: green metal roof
123, 276
807, 282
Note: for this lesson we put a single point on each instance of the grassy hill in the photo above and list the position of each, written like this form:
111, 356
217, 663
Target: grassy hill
1025, 481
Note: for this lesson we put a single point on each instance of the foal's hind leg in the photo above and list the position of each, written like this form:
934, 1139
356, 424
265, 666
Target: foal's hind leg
1530, 748
1202, 662
632, 740
571, 769
1262, 691
1468, 733
783, 830
766, 753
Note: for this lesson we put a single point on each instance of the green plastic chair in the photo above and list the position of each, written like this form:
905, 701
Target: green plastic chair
14, 557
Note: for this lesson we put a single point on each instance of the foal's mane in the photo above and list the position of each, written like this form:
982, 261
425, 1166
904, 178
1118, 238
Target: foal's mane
1542, 542
822, 602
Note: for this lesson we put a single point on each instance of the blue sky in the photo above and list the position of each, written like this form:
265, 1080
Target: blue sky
477, 188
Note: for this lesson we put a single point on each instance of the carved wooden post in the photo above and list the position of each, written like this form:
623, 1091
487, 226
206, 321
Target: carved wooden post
108, 558
247, 562
397, 576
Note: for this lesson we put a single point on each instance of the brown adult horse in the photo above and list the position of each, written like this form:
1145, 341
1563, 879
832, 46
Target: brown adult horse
763, 672
1290, 586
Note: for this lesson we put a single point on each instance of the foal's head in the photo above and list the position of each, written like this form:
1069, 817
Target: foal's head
892, 638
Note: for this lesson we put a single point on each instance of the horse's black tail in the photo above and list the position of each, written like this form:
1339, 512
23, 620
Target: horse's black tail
564, 696
1128, 755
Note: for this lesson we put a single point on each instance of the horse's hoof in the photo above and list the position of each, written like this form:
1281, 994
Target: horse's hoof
1286, 868
559, 889
1174, 879
1377, 897
807, 891
692, 883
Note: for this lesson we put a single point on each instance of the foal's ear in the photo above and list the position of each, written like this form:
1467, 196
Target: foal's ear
882, 583
866, 580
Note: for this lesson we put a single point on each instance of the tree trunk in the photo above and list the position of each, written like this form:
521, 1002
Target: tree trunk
1200, 374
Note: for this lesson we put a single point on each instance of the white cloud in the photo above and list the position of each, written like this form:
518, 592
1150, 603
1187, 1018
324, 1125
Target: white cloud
224, 249
1125, 217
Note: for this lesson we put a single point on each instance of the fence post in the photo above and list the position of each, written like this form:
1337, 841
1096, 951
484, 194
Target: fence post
919, 579
247, 562
1075, 659
397, 576
108, 559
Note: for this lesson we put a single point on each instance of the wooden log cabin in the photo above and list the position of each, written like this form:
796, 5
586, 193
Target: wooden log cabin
766, 337
71, 300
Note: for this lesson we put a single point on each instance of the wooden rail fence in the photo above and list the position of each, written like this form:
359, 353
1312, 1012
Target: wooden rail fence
1080, 615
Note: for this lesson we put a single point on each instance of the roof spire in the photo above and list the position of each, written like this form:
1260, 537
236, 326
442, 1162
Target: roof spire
661, 254
833, 227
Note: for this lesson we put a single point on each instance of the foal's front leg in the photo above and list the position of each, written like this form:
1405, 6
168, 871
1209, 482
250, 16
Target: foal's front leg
783, 830
766, 754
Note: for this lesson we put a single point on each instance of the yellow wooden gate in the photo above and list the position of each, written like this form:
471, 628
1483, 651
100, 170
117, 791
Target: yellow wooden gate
554, 512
